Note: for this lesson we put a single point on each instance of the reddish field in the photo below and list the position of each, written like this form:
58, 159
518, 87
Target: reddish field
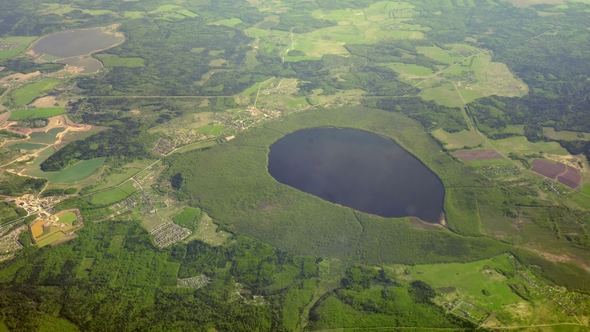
468, 155
547, 169
571, 178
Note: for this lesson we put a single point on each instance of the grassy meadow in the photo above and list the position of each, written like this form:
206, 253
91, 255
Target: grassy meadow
29, 92
114, 195
110, 60
35, 113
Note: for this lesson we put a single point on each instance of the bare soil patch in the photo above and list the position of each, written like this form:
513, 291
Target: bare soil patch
423, 225
45, 102
467, 155
18, 77
3, 116
547, 168
570, 178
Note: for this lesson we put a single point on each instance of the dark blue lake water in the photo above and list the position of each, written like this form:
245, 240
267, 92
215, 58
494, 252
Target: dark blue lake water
358, 169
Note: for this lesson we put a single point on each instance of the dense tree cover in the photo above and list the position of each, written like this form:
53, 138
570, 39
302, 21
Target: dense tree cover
100, 284
577, 147
430, 114
26, 65
9, 134
563, 274
177, 55
549, 53
9, 211
121, 144
58, 192
25, 18
232, 186
370, 298
15, 185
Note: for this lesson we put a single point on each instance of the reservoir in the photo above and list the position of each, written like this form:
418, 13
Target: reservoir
358, 169
76, 42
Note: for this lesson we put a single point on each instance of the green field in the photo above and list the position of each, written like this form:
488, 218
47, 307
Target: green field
444, 94
51, 238
212, 129
521, 145
19, 45
49, 57
469, 279
458, 140
188, 217
116, 178
195, 146
29, 92
74, 173
410, 70
551, 133
228, 22
113, 196
133, 14
110, 60
68, 218
35, 113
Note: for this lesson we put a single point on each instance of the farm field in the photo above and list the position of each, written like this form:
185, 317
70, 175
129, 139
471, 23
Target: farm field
46, 232
36, 113
29, 92
469, 155
188, 218
116, 177
547, 168
67, 218
112, 196
465, 81
521, 145
110, 60
228, 22
458, 140
468, 280
565, 135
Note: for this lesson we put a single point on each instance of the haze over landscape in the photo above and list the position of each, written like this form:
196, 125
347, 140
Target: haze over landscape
286, 165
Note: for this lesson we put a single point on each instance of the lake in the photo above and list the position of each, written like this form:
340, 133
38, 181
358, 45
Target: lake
89, 65
358, 169
72, 43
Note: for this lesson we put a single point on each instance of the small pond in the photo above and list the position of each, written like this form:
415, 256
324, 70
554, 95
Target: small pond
358, 169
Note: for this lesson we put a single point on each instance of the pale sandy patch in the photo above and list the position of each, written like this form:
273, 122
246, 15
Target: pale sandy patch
18, 77
45, 102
